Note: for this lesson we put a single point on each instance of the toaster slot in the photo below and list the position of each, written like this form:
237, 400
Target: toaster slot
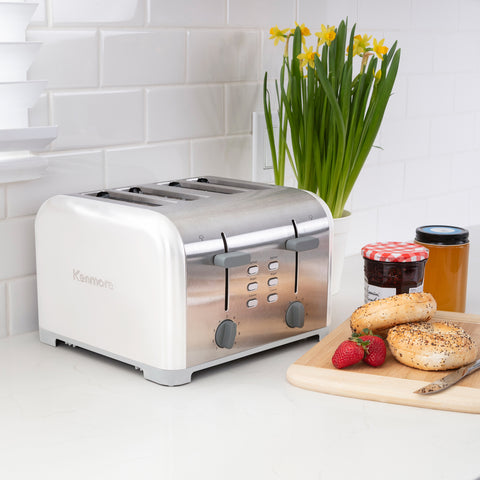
170, 191
225, 246
300, 244
230, 182
126, 196
229, 260
203, 184
163, 194
296, 258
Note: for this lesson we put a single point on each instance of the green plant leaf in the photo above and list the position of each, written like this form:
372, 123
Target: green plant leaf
328, 117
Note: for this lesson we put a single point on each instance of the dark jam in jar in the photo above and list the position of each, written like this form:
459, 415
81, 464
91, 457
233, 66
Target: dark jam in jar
392, 268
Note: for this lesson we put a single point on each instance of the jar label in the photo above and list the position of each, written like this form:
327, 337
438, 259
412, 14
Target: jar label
418, 289
372, 292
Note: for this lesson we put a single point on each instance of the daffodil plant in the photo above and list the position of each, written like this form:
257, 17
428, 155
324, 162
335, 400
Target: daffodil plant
328, 116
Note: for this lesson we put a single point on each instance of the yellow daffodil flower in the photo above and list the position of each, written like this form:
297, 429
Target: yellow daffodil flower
303, 30
307, 58
277, 34
327, 35
379, 48
360, 44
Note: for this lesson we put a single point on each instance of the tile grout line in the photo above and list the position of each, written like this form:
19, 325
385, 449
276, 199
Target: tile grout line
7, 308
100, 55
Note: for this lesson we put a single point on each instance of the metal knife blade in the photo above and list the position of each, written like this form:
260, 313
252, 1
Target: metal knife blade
449, 380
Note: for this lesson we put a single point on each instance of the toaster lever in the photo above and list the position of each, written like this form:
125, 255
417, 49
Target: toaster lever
302, 244
231, 259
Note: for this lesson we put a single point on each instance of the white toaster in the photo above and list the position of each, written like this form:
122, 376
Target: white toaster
174, 277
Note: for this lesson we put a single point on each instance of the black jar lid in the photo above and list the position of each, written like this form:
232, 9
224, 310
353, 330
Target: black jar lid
441, 235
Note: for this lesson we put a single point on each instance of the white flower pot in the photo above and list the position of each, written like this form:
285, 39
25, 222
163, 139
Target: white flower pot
341, 227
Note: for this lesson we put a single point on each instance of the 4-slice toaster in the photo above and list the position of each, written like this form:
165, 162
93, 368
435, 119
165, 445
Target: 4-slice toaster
174, 277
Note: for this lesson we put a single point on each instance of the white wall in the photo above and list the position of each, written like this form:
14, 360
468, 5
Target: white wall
146, 90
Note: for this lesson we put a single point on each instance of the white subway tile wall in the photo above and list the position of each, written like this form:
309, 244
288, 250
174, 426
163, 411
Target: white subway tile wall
185, 112
188, 13
2, 202
232, 56
159, 161
147, 57
40, 14
225, 157
3, 310
98, 118
241, 100
149, 90
17, 248
93, 12
23, 315
67, 173
67, 58
262, 14
314, 13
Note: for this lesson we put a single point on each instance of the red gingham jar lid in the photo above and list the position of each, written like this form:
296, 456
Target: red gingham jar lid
394, 252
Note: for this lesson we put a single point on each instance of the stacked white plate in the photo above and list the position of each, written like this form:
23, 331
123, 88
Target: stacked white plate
17, 96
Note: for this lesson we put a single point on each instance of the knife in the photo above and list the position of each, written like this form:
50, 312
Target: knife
449, 380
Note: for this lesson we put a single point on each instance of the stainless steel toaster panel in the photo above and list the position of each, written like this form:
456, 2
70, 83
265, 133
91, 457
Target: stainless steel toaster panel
257, 295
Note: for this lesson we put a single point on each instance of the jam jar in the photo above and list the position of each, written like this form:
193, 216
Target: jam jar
392, 268
447, 270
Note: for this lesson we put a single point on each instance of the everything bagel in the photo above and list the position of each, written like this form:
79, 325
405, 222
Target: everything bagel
431, 345
385, 313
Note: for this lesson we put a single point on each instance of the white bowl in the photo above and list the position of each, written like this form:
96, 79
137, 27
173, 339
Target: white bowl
15, 59
15, 100
30, 138
14, 18
22, 167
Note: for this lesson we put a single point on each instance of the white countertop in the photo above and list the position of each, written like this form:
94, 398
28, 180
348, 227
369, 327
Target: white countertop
73, 414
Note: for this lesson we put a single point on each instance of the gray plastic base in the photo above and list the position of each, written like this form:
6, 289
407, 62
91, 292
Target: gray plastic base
157, 375
174, 377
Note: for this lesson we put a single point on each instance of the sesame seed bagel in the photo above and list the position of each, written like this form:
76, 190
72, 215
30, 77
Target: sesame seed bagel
385, 313
431, 345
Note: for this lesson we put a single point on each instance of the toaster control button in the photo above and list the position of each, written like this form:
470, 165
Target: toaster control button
253, 270
253, 302
225, 334
273, 266
252, 286
272, 282
231, 259
295, 315
302, 244
272, 298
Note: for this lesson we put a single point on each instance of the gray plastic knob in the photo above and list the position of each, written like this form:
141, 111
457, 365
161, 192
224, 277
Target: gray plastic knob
231, 259
225, 334
295, 315
302, 244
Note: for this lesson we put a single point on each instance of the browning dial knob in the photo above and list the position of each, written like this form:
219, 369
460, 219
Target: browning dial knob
225, 334
295, 315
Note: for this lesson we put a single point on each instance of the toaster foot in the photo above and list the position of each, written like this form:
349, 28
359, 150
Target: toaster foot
47, 337
170, 378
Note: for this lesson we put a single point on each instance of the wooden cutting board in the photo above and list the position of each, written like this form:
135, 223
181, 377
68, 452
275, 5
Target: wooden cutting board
390, 383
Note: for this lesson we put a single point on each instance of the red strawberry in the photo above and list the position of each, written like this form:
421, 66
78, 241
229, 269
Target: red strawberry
375, 349
348, 353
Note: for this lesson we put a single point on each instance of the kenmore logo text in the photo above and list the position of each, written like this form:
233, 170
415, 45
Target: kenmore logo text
96, 282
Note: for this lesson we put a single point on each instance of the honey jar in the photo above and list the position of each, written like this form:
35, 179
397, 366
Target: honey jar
447, 270
392, 268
